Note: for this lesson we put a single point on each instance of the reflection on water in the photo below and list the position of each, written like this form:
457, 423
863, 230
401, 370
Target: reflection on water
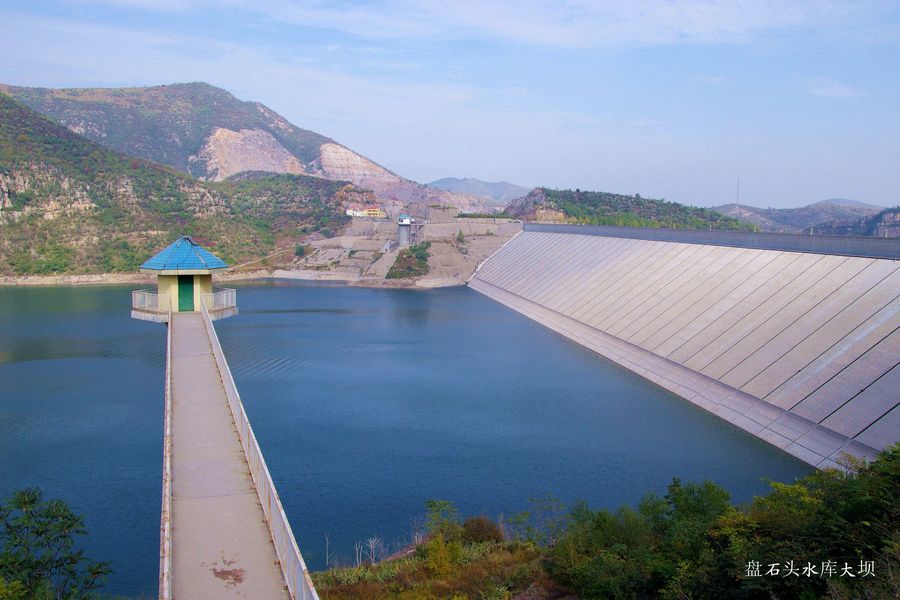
366, 404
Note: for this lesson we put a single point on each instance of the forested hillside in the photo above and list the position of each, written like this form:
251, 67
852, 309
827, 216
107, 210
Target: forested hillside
604, 208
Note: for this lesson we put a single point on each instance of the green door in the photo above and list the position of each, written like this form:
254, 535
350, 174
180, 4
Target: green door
185, 293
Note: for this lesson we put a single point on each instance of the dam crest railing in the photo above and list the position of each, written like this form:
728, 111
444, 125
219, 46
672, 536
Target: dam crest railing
866, 247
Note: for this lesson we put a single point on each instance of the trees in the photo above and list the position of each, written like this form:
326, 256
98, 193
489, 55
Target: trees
38, 557
692, 543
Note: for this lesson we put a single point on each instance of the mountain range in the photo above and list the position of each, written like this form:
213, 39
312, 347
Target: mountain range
801, 219
206, 132
93, 180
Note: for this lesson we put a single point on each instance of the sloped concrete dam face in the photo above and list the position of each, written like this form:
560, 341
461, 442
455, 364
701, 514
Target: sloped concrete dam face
800, 349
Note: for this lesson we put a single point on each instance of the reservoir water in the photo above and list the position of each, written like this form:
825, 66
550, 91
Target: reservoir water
366, 403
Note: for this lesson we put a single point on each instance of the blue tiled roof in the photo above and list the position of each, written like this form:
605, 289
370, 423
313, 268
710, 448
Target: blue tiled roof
184, 254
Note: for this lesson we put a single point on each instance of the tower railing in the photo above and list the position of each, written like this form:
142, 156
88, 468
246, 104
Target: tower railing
293, 567
150, 306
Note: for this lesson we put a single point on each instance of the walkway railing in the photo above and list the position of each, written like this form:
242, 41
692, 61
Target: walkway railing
148, 305
221, 303
165, 528
296, 575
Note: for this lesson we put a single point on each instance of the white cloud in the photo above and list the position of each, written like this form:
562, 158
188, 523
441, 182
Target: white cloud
568, 23
827, 88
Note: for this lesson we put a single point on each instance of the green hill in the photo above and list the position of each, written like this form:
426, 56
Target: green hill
604, 208
68, 205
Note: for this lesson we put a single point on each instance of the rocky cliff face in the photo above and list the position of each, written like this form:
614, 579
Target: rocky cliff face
227, 153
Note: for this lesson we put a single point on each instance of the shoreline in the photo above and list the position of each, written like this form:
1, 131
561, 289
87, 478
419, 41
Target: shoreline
150, 280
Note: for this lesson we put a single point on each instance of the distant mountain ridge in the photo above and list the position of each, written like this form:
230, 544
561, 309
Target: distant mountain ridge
849, 202
500, 192
801, 219
69, 205
206, 132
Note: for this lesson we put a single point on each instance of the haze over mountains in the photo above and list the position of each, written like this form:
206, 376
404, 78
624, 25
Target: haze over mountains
500, 192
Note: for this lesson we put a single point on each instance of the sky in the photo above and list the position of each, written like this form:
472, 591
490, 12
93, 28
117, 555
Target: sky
669, 99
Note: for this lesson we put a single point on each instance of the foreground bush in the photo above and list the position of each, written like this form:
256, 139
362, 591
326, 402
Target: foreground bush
802, 540
38, 558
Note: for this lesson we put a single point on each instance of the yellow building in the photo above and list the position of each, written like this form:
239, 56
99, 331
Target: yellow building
375, 212
370, 211
183, 280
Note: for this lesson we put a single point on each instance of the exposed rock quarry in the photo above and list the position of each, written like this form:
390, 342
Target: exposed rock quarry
535, 207
339, 162
227, 152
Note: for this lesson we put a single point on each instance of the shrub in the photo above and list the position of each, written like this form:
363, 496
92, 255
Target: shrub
481, 529
299, 250
437, 557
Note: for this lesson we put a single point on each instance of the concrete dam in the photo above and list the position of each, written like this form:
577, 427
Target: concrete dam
791, 338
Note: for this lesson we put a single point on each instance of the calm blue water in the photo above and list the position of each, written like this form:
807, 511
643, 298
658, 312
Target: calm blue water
366, 403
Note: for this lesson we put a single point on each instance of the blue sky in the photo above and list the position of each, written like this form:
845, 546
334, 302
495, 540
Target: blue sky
801, 100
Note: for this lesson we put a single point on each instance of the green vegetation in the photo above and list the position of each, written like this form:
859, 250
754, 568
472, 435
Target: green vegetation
76, 207
457, 561
460, 238
411, 262
603, 208
38, 558
690, 543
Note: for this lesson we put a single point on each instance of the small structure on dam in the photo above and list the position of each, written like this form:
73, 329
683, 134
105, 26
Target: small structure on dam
223, 531
795, 339
404, 227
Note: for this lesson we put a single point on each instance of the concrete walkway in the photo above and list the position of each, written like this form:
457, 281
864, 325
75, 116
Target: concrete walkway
221, 547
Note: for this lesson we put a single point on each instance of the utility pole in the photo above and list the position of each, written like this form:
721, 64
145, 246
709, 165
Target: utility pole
738, 201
